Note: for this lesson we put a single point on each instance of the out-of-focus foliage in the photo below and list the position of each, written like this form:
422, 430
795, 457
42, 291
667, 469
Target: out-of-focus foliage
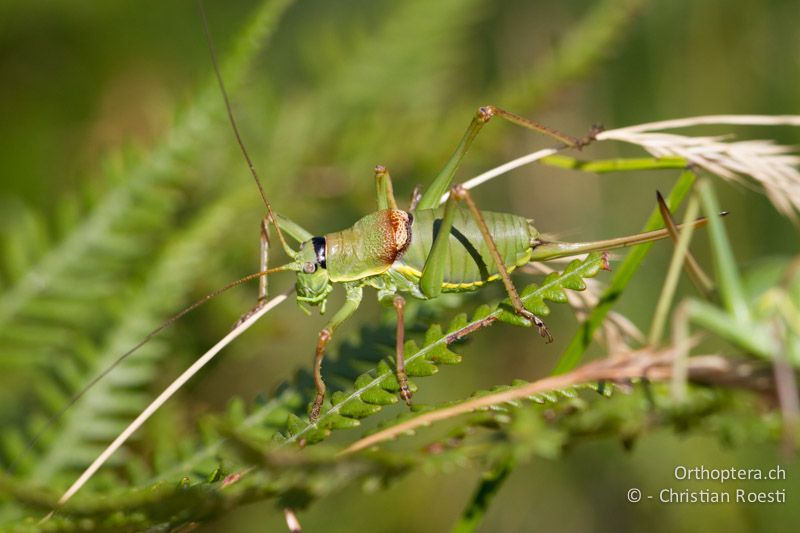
122, 198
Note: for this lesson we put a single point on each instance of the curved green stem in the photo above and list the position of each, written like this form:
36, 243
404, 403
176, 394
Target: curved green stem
487, 489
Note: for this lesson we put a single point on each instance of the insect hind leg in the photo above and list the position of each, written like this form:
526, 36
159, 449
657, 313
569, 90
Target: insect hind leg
459, 193
444, 179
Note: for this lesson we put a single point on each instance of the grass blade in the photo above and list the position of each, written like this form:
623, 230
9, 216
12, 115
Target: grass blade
583, 337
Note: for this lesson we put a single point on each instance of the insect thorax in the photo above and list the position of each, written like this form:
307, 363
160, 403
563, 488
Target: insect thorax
369, 247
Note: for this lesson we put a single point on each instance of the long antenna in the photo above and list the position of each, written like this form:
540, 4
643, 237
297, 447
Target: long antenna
203, 360
167, 393
232, 120
57, 416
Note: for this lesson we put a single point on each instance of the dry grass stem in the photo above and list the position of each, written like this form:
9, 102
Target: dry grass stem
773, 166
653, 365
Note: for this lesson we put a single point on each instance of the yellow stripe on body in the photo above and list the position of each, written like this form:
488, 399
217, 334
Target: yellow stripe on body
409, 271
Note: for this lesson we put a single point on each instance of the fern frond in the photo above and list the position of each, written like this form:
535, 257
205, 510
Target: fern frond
374, 388
204, 455
644, 365
103, 411
377, 388
118, 235
71, 305
147, 198
259, 468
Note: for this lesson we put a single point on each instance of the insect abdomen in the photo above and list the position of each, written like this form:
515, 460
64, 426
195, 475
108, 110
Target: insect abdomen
369, 247
469, 264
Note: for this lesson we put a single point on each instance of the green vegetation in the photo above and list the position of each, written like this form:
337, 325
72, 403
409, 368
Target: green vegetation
124, 199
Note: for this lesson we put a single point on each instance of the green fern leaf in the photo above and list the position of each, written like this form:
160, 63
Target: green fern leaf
423, 360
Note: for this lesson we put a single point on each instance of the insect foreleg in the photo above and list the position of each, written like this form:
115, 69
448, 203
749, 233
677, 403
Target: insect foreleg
262, 281
352, 301
294, 229
383, 183
263, 261
444, 179
400, 306
458, 193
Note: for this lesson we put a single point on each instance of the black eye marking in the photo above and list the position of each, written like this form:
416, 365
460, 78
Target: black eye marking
319, 250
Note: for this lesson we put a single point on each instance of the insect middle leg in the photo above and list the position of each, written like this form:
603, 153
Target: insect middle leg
459, 193
399, 304
353, 293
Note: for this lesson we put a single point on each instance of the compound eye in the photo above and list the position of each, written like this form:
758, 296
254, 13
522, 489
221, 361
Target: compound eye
309, 268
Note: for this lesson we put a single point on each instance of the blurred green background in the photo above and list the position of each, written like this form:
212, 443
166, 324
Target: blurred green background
89, 99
